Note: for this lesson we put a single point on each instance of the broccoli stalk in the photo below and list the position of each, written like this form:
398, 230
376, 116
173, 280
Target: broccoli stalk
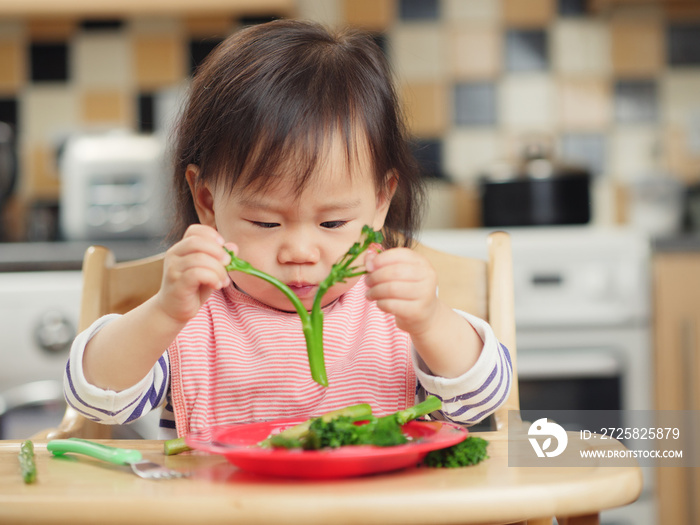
312, 322
26, 461
291, 437
175, 446
430, 404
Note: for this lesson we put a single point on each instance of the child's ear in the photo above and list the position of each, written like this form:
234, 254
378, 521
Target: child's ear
201, 196
384, 196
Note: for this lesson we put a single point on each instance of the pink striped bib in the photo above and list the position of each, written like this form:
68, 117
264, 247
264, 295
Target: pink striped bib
241, 361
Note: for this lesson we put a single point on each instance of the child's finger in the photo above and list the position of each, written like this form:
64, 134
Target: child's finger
202, 241
207, 277
402, 290
202, 230
369, 261
396, 273
391, 256
401, 309
203, 260
193, 271
396, 264
231, 247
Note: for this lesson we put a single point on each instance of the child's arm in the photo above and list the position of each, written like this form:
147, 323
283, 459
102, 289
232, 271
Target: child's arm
403, 283
125, 350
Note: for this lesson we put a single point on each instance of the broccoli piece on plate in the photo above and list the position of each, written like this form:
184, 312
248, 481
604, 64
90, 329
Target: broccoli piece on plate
377, 431
468, 452
352, 429
293, 437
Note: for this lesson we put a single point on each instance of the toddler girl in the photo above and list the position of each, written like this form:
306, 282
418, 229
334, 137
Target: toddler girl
290, 142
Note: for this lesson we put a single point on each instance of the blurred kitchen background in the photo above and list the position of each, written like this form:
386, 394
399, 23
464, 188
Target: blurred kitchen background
610, 85
572, 124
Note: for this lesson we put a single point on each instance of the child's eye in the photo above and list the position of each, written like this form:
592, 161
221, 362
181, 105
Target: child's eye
333, 224
268, 225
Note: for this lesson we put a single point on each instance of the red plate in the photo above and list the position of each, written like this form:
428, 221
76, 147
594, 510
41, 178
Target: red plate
238, 443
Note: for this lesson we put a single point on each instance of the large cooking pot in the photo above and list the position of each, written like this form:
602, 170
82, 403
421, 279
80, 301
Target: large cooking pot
536, 192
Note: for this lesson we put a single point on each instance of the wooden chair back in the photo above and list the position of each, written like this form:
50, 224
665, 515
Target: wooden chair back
481, 287
108, 287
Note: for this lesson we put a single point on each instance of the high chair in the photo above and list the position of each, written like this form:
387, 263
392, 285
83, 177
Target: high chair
483, 288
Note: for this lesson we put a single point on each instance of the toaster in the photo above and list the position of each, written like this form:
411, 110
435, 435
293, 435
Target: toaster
113, 185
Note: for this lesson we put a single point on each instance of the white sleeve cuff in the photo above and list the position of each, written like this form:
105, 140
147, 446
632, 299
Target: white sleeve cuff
478, 392
105, 405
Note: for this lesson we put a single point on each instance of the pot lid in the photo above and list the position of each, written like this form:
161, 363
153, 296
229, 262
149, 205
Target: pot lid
536, 162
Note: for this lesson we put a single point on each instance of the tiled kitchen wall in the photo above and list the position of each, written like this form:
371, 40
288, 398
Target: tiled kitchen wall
615, 87
66, 75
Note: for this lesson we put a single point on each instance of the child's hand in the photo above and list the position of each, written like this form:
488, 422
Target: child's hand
193, 268
403, 283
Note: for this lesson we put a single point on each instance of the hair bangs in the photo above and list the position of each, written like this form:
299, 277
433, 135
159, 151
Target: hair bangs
292, 143
270, 103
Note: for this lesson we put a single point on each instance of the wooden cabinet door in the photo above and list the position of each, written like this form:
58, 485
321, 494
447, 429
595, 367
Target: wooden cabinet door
676, 290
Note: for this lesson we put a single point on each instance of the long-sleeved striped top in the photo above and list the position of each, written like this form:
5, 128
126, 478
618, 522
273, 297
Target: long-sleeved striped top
240, 361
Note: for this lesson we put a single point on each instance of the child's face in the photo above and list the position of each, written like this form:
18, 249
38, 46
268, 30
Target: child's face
297, 238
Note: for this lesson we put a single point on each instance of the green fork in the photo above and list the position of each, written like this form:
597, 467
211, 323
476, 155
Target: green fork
118, 456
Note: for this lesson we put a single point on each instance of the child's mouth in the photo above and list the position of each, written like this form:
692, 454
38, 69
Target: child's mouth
302, 289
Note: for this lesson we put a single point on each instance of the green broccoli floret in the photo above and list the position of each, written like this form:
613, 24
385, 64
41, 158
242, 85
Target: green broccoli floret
377, 431
383, 432
336, 433
468, 452
293, 437
344, 430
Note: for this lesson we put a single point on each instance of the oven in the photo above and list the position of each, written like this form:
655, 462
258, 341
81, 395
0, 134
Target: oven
40, 293
582, 310
38, 321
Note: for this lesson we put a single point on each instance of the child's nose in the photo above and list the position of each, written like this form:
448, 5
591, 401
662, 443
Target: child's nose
299, 251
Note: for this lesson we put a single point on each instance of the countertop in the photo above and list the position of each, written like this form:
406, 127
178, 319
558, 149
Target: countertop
682, 242
68, 255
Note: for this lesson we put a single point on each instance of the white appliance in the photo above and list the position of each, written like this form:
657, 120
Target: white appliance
582, 309
38, 321
38, 318
113, 185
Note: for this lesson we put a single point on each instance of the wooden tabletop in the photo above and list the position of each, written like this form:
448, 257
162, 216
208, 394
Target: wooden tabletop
77, 489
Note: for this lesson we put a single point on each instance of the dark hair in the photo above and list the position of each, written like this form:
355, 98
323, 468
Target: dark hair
271, 95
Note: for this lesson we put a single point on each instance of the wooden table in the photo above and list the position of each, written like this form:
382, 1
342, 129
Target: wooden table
81, 490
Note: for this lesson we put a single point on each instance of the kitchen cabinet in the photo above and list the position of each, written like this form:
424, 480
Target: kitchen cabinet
116, 8
676, 288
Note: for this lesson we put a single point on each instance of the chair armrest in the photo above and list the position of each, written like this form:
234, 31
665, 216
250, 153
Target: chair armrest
72, 425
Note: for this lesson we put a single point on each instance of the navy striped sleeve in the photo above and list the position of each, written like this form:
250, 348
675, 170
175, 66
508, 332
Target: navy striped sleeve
107, 406
477, 393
